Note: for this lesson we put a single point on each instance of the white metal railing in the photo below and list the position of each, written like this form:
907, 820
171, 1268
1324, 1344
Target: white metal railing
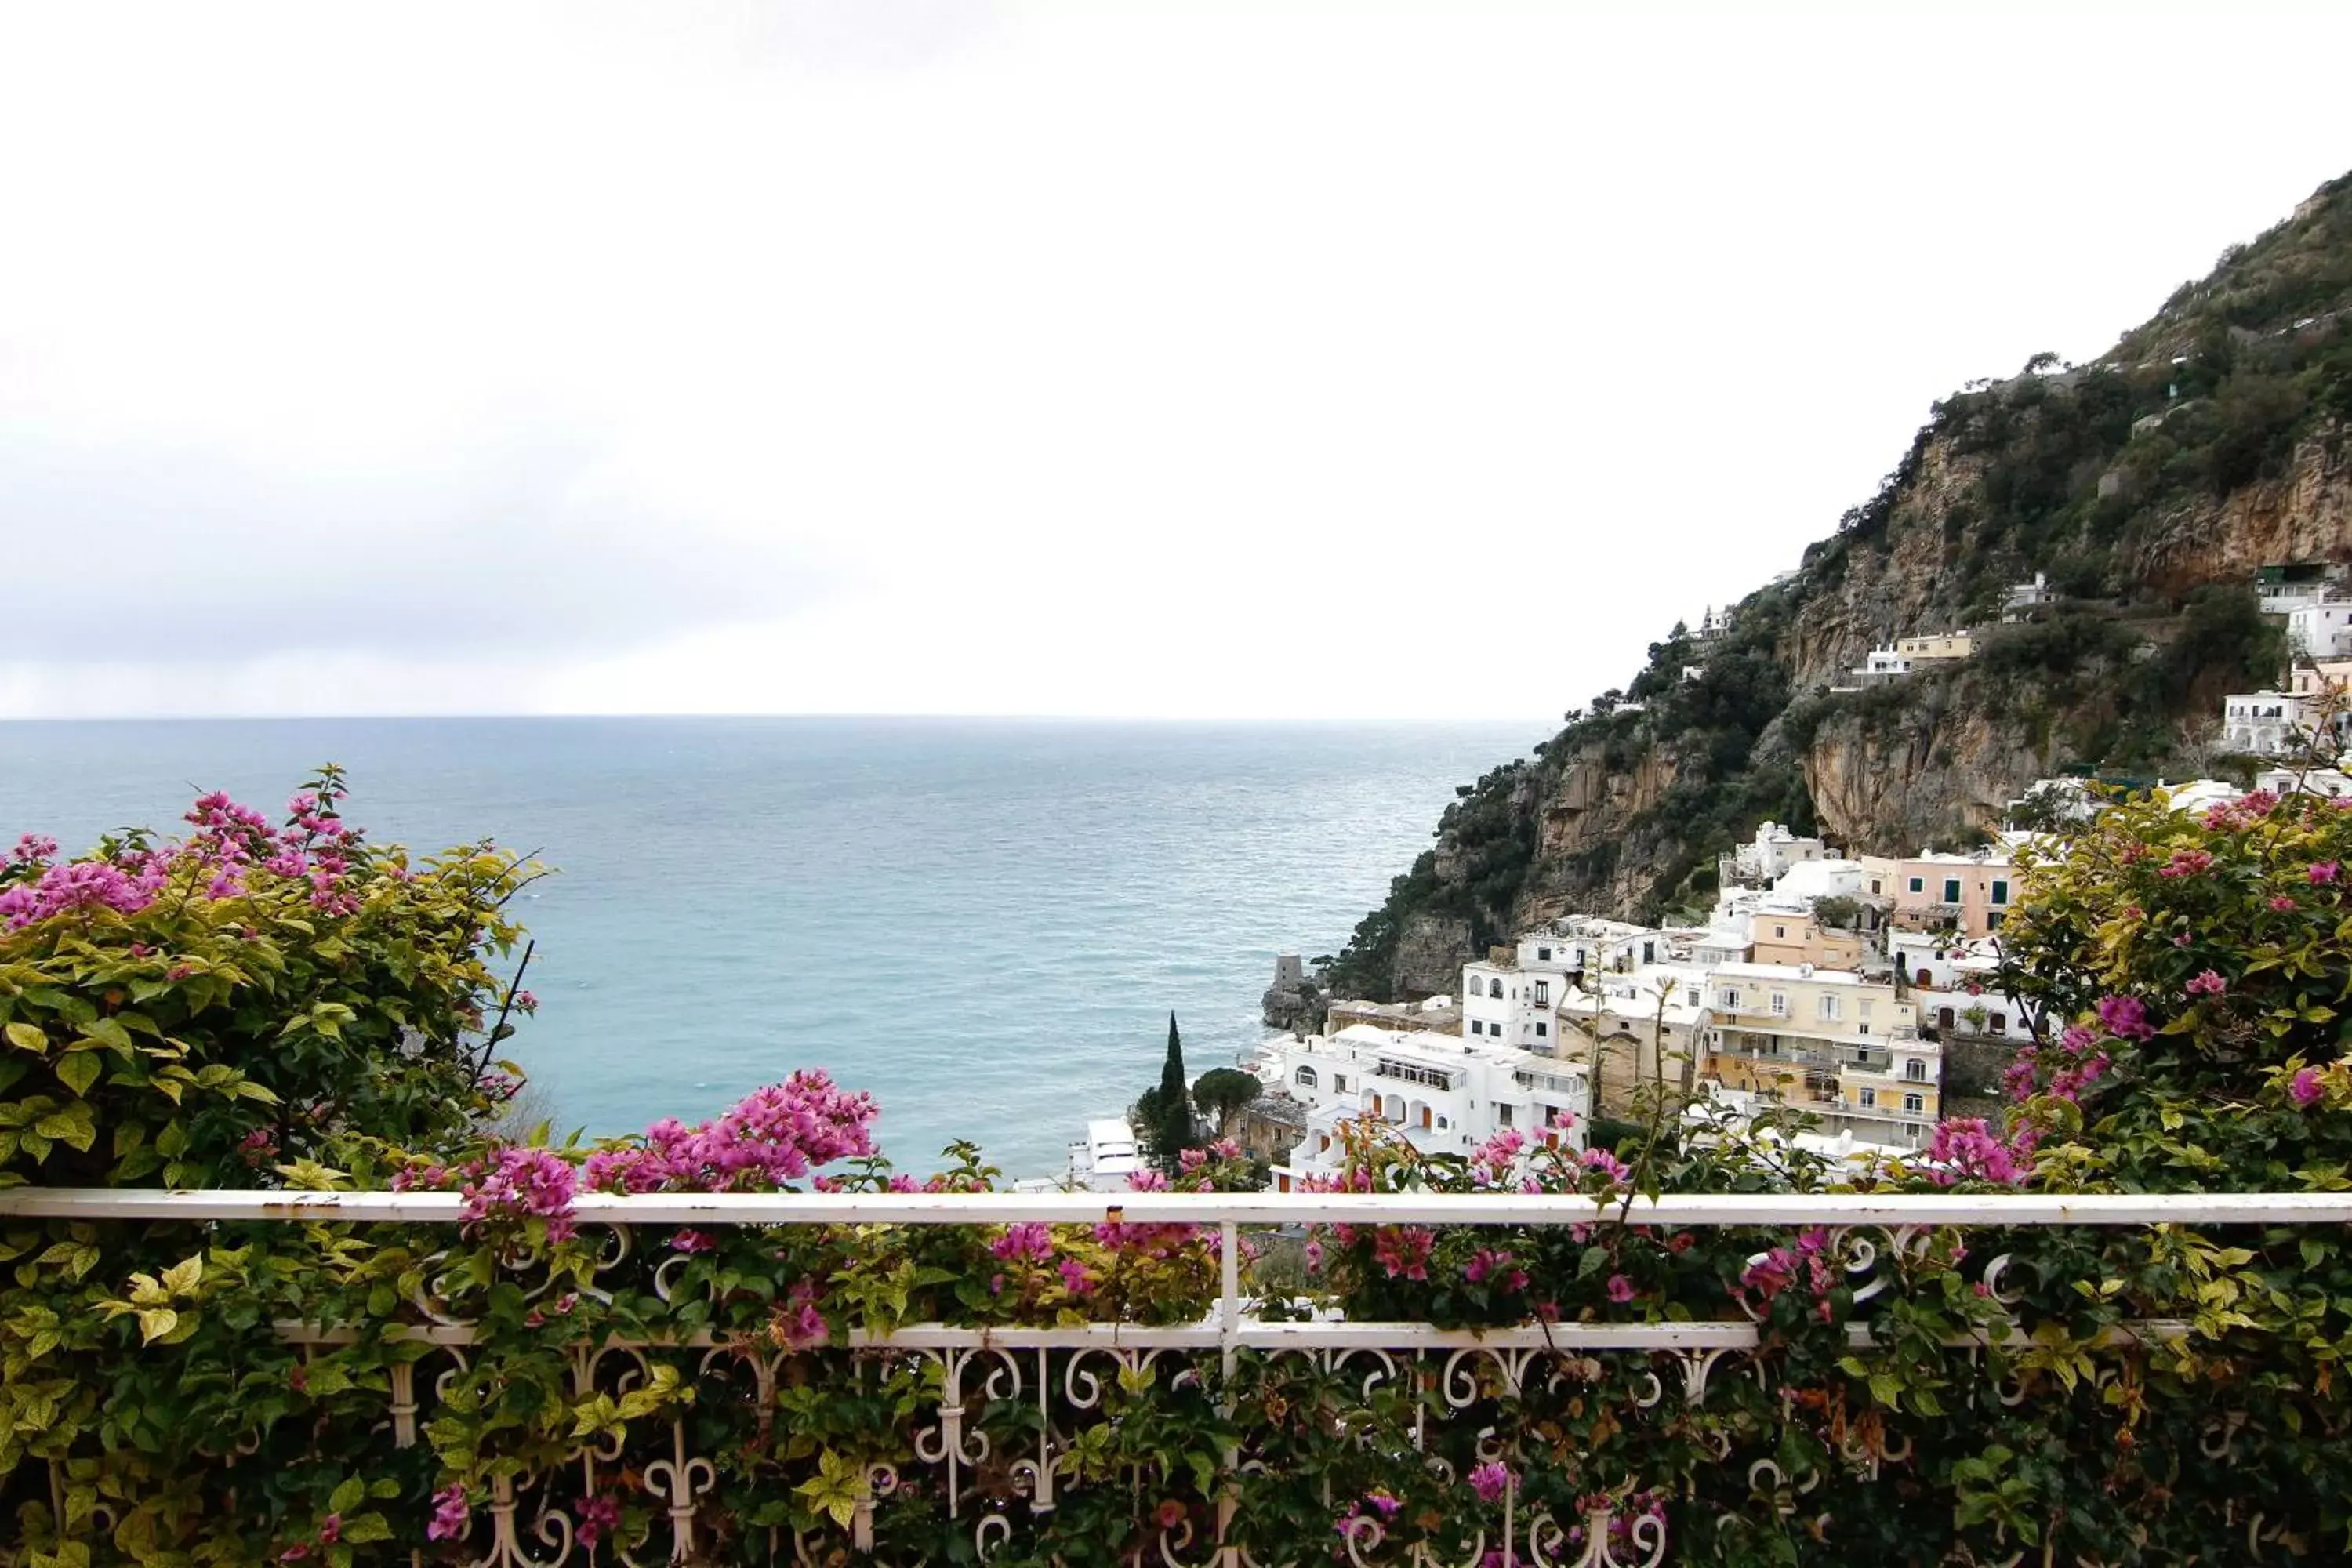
1888, 1209
1045, 1366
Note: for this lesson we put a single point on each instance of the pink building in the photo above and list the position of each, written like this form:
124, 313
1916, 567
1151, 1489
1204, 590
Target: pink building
1966, 894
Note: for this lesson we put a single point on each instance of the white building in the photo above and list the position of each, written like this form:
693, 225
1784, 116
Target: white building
1733, 1110
1881, 663
1507, 1005
1589, 942
1956, 986
2199, 795
1767, 857
1721, 944
2263, 724
2065, 799
2320, 628
2025, 597
2329, 782
2281, 590
1800, 886
1513, 1002
1443, 1095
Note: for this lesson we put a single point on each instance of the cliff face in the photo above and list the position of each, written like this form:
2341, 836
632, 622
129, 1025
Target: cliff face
1885, 789
2304, 514
2147, 486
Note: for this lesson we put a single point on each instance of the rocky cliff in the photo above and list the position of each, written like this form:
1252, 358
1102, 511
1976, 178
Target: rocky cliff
2146, 486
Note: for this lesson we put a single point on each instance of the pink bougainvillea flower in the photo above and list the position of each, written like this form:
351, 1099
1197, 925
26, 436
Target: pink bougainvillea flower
1967, 1151
2126, 1017
2208, 983
1607, 1164
1403, 1252
1491, 1480
2306, 1087
517, 1181
2323, 871
597, 1515
1621, 1289
450, 1514
1027, 1242
773, 1135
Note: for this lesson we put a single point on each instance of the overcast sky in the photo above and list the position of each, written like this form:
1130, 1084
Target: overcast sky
897, 356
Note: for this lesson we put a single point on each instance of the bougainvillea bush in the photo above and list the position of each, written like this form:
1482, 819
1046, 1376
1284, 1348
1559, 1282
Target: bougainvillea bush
283, 1003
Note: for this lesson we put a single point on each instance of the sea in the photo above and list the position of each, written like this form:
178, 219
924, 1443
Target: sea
985, 922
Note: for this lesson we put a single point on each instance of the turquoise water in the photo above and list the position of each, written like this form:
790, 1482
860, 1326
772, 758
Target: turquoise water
985, 922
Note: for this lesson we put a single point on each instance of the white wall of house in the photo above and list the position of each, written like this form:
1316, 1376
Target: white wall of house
2261, 723
2321, 628
1766, 857
1442, 1094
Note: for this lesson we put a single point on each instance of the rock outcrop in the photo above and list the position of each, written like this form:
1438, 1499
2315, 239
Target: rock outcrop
1293, 1001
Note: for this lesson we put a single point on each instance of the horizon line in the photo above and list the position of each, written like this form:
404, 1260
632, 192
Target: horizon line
1449, 720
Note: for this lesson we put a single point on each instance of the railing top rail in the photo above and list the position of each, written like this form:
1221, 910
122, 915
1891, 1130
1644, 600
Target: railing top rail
1217, 1208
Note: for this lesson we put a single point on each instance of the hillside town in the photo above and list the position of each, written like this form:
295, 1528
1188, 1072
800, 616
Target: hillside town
1861, 990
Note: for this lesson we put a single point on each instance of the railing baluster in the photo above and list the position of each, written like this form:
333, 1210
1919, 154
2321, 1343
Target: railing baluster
1229, 1324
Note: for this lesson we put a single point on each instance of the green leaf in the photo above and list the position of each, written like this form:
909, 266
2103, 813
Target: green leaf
362, 1528
78, 1071
347, 1497
72, 1126
181, 1278
27, 1037
155, 1322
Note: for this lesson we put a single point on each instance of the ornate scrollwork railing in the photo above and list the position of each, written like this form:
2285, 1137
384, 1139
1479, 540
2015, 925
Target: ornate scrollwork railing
1007, 1422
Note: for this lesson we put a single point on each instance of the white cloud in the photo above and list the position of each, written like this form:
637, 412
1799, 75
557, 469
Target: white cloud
927, 357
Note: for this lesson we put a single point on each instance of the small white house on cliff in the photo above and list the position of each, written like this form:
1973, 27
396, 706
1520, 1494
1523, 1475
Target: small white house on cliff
1442, 1094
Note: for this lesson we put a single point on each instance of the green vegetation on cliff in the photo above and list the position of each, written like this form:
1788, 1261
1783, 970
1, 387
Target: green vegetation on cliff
2146, 486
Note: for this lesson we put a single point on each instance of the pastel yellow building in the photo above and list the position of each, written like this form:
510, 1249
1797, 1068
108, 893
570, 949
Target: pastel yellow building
1825, 1041
1781, 938
1937, 645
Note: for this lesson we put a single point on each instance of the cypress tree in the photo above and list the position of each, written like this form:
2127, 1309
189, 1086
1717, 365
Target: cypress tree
1170, 1107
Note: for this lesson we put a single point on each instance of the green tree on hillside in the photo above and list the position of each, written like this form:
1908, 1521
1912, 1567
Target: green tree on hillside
1164, 1113
1220, 1091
